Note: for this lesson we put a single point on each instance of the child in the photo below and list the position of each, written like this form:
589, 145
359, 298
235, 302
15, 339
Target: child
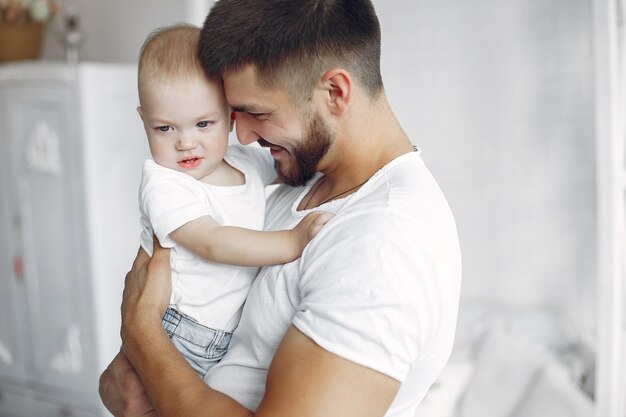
201, 198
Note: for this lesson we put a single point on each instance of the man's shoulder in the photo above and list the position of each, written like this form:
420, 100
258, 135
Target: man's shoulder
402, 200
398, 187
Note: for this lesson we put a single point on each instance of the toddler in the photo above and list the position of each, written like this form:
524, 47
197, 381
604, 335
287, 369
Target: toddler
203, 198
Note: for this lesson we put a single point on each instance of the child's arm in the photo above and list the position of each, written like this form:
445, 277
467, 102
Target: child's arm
245, 247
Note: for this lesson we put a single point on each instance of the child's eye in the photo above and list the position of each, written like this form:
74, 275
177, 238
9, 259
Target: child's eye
164, 128
203, 123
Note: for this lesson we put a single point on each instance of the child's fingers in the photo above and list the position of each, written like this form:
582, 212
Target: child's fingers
317, 222
323, 218
314, 230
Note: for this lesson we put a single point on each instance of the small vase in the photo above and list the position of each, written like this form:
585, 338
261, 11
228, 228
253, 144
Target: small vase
20, 41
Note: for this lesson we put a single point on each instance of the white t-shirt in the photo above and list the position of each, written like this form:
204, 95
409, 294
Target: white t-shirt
210, 292
379, 286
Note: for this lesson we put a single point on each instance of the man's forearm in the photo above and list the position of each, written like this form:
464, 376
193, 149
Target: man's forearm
172, 385
122, 392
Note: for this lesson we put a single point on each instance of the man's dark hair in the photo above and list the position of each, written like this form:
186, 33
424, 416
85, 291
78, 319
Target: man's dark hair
291, 43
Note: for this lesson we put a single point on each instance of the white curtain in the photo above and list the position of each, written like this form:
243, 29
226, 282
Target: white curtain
621, 150
610, 56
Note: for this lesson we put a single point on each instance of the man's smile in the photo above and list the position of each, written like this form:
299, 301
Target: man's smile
275, 150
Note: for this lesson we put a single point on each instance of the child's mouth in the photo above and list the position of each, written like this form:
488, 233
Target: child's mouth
190, 162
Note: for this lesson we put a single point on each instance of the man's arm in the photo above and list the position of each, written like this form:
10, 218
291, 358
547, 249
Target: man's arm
244, 247
306, 380
303, 379
122, 391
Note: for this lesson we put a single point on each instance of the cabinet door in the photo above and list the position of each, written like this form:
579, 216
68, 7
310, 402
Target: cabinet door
56, 408
14, 351
16, 402
46, 166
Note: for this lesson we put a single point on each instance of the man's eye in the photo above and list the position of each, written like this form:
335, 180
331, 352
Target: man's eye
257, 115
203, 123
164, 128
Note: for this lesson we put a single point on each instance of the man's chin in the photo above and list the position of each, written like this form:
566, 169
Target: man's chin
291, 177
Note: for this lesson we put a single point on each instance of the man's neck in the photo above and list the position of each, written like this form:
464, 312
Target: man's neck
364, 144
368, 140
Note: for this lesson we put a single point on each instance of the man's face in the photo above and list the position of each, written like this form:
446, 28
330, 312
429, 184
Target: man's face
298, 138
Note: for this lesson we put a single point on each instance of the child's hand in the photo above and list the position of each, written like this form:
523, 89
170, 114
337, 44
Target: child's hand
309, 226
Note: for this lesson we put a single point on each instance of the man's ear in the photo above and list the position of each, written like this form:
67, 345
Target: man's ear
140, 111
338, 85
232, 121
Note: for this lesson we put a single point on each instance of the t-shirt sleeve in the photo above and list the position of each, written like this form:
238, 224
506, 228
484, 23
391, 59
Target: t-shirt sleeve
260, 159
168, 201
370, 291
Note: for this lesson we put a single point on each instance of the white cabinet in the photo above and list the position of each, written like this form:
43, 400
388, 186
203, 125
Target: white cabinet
16, 402
71, 147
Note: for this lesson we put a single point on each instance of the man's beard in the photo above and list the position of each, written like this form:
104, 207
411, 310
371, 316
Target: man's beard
306, 156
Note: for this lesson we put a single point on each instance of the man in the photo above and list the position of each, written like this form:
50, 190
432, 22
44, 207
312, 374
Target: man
363, 322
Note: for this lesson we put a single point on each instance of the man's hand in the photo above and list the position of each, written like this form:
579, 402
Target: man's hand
146, 295
122, 392
147, 291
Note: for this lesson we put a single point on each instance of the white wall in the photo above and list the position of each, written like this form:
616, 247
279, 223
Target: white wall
114, 30
498, 94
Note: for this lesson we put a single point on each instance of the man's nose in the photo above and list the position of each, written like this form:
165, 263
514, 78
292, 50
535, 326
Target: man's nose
245, 129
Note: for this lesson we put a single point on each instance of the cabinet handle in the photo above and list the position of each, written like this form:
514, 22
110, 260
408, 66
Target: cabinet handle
18, 267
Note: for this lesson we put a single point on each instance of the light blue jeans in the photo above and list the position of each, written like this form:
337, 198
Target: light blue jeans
202, 346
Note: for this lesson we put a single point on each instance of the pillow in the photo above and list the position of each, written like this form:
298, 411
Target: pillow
506, 364
554, 394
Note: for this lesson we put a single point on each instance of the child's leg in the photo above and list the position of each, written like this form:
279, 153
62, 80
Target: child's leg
202, 346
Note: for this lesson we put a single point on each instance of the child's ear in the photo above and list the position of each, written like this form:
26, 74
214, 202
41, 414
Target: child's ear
232, 120
140, 111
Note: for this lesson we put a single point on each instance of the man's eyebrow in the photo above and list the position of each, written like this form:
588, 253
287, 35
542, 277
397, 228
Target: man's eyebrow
247, 109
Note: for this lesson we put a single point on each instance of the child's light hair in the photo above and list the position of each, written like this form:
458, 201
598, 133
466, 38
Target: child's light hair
169, 53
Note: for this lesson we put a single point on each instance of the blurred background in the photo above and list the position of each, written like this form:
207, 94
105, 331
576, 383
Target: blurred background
517, 106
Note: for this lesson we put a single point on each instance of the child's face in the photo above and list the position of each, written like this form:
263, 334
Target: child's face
187, 123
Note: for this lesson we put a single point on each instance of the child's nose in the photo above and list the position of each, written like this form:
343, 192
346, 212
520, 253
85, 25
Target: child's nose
185, 142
